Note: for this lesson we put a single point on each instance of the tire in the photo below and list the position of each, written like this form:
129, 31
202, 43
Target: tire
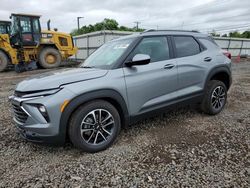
3, 61
50, 58
212, 103
89, 136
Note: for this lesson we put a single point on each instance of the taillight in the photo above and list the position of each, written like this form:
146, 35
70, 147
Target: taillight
228, 54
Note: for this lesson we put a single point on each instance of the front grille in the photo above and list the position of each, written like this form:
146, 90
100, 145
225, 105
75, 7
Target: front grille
19, 113
19, 93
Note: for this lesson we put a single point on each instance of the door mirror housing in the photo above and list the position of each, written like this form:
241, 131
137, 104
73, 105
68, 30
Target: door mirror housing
139, 59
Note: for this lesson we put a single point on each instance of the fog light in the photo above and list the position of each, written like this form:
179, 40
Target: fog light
42, 109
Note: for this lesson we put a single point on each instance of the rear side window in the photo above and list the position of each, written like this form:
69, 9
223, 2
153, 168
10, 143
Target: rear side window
186, 46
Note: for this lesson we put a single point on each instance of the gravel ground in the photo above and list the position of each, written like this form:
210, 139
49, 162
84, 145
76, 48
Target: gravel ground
180, 148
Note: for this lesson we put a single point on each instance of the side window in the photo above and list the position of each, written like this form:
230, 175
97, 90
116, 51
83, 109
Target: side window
156, 47
186, 46
36, 28
2, 29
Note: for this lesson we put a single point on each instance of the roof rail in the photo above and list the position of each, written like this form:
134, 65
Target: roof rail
148, 30
153, 30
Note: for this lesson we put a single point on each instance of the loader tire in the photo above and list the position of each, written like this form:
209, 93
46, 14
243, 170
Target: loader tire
50, 58
3, 61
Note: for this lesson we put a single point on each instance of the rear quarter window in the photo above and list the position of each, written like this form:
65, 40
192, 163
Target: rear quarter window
209, 43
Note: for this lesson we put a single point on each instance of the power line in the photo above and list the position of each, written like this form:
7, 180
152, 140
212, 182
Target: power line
234, 29
226, 27
221, 19
207, 5
203, 6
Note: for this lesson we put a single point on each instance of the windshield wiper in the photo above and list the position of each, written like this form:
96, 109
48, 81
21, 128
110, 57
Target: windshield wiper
88, 67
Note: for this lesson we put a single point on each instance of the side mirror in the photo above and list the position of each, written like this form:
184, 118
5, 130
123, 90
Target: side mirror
139, 59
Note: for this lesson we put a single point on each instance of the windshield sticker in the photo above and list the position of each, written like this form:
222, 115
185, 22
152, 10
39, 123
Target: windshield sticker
119, 46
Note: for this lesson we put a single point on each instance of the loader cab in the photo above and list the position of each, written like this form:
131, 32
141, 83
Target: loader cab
25, 30
5, 27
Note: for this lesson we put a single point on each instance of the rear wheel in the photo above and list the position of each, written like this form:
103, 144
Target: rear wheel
215, 97
50, 58
94, 126
3, 61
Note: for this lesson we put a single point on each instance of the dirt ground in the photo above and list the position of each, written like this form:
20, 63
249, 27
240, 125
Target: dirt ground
180, 148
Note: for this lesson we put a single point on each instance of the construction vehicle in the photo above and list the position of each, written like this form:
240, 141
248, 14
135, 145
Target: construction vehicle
5, 27
28, 43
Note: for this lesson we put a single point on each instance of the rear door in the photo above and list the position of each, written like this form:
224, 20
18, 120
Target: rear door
192, 64
153, 85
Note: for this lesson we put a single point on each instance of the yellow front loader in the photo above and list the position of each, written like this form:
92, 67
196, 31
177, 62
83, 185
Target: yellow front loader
28, 43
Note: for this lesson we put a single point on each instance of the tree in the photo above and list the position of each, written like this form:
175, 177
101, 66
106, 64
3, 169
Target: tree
106, 24
246, 34
235, 34
214, 34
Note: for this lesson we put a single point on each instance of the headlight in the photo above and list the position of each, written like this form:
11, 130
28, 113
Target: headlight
41, 93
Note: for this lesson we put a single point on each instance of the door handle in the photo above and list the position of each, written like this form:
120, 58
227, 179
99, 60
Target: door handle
168, 66
207, 59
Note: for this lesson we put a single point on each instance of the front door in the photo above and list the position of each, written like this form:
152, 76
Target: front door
30, 31
153, 85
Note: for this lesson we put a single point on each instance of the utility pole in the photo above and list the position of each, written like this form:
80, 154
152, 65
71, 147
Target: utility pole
137, 25
182, 25
78, 22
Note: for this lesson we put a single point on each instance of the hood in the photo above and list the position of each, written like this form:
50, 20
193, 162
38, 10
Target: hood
55, 79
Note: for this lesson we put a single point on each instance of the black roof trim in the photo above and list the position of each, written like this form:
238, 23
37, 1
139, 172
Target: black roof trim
4, 21
26, 15
169, 30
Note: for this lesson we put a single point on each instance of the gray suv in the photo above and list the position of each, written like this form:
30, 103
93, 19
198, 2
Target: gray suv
126, 79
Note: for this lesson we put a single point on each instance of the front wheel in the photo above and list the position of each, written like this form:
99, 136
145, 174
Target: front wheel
3, 61
215, 97
94, 126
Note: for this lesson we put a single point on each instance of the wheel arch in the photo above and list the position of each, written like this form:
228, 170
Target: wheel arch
221, 73
108, 95
43, 46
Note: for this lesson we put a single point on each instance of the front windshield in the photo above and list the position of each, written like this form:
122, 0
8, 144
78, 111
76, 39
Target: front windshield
107, 54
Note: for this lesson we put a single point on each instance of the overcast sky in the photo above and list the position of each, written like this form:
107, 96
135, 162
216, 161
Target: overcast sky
222, 15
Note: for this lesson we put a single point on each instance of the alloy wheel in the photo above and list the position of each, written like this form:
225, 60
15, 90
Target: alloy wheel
97, 126
218, 97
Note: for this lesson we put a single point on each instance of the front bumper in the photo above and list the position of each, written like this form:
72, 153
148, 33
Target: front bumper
38, 138
31, 123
